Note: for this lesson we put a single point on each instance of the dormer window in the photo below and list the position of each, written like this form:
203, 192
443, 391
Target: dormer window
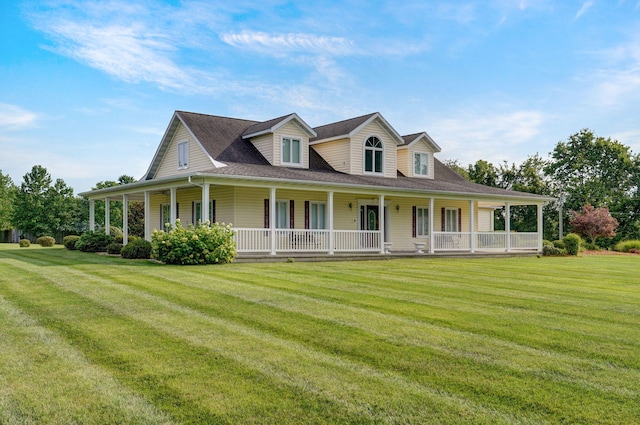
291, 151
183, 155
373, 155
421, 164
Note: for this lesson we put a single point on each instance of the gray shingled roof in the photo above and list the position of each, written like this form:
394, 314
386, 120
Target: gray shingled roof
265, 125
222, 138
340, 128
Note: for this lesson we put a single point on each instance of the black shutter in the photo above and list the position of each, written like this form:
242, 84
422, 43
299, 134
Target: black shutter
442, 219
414, 232
292, 224
266, 213
459, 219
213, 211
306, 214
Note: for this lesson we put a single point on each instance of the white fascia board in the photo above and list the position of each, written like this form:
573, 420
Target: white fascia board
434, 146
300, 122
215, 163
392, 131
162, 146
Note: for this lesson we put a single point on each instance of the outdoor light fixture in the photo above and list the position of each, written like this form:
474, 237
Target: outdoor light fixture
350, 205
398, 207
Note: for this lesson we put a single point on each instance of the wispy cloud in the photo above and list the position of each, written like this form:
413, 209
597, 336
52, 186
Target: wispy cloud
585, 6
617, 80
290, 43
494, 137
12, 116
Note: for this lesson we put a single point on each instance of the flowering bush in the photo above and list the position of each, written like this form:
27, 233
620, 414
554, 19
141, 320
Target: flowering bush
203, 244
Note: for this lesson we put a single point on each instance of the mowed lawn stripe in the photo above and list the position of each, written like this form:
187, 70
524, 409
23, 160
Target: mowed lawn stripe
329, 377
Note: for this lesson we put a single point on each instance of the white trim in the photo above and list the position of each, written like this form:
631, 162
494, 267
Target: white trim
305, 127
428, 210
428, 163
183, 157
385, 124
373, 159
429, 141
300, 151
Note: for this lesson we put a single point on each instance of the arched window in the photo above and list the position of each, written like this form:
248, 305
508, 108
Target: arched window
373, 155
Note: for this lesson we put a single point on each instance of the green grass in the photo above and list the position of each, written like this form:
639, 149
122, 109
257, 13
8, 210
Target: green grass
91, 339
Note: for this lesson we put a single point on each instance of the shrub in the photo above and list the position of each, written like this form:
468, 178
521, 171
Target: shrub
137, 249
114, 248
24, 243
559, 244
94, 242
69, 242
572, 243
549, 249
46, 241
202, 244
627, 246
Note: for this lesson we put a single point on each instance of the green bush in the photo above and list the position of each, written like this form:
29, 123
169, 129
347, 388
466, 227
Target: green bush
202, 244
70, 241
550, 249
114, 248
94, 242
572, 243
559, 244
24, 243
627, 246
137, 249
46, 241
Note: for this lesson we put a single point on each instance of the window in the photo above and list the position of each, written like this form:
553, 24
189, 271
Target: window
183, 155
282, 211
451, 220
317, 215
197, 212
421, 222
373, 155
165, 216
421, 164
290, 151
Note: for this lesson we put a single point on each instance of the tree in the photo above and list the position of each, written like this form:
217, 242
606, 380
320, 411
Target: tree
455, 165
7, 195
593, 223
41, 208
483, 172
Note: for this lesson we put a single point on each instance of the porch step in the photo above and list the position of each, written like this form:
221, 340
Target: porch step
303, 257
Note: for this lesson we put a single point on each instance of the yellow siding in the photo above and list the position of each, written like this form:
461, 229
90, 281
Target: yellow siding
485, 220
336, 153
198, 158
225, 203
404, 165
249, 207
390, 155
345, 218
264, 144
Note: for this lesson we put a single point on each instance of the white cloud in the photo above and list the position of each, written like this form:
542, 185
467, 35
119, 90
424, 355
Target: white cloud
585, 6
12, 116
290, 43
494, 138
617, 81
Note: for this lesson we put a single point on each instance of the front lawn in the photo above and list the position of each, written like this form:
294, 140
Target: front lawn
92, 339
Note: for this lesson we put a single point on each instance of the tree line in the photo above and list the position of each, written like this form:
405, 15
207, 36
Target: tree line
41, 206
585, 169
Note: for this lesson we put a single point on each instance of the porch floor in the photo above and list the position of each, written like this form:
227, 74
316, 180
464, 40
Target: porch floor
352, 256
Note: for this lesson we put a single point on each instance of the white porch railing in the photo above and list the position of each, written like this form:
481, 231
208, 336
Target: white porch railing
299, 240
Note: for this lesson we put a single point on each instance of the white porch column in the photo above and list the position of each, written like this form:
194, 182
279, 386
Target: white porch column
125, 219
107, 216
381, 222
431, 221
471, 226
272, 219
330, 208
204, 209
172, 207
507, 224
540, 227
147, 215
92, 215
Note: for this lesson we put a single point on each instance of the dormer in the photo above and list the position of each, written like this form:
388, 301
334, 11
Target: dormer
416, 155
365, 145
283, 141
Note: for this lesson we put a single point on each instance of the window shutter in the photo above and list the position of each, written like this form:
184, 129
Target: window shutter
459, 219
177, 210
414, 232
291, 215
193, 212
213, 211
266, 213
306, 214
443, 219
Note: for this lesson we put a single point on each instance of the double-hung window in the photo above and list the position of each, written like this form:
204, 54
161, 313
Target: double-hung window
317, 215
421, 164
422, 221
373, 150
183, 155
291, 151
451, 220
282, 214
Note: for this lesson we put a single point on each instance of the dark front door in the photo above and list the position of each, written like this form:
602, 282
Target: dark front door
369, 217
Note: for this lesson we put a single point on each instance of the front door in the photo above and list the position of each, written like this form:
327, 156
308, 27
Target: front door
369, 217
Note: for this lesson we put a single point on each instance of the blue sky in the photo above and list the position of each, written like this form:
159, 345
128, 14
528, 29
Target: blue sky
87, 88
